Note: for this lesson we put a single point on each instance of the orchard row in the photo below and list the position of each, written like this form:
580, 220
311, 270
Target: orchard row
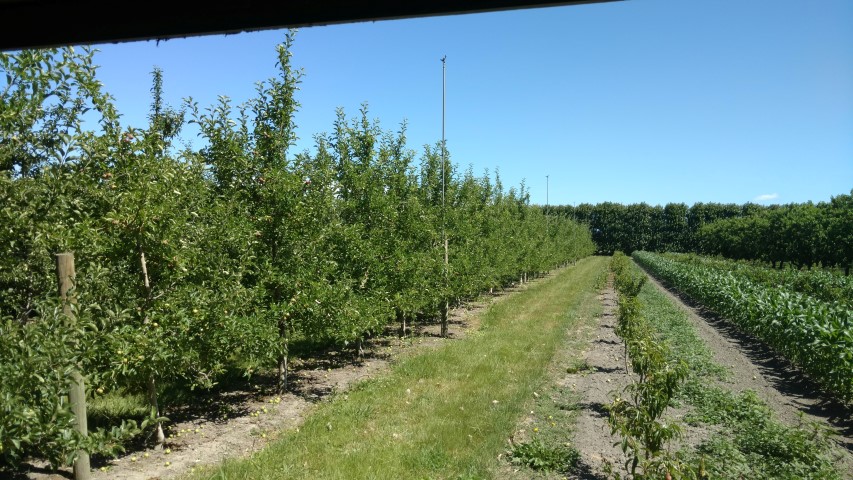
196, 260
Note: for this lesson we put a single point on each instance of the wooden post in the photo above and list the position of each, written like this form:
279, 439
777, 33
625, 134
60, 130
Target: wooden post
76, 387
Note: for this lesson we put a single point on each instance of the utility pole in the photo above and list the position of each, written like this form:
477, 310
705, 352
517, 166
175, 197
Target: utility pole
444, 306
546, 192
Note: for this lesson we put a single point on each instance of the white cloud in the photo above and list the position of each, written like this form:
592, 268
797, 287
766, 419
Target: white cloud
766, 197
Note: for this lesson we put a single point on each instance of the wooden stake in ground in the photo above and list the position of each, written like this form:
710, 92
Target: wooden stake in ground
76, 387
152, 382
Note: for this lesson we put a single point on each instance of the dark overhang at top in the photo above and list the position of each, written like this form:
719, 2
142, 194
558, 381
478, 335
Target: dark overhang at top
48, 23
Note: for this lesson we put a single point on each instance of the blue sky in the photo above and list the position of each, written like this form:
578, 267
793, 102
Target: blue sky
645, 100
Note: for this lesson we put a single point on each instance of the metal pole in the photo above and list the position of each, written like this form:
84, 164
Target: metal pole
443, 147
547, 208
445, 305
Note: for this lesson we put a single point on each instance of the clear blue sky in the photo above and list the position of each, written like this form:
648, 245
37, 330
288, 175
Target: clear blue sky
646, 100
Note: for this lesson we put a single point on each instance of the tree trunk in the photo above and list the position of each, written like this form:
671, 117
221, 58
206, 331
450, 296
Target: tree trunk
282, 360
444, 308
146, 282
144, 265
282, 373
401, 317
152, 399
846, 270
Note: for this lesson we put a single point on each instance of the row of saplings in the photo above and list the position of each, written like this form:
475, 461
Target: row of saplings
638, 418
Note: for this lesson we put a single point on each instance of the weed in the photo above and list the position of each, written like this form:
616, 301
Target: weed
539, 456
578, 366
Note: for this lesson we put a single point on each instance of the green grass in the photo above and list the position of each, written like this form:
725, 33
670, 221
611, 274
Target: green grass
106, 411
748, 441
547, 450
673, 326
445, 413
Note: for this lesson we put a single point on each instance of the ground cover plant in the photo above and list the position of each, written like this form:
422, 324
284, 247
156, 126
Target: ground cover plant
543, 445
638, 417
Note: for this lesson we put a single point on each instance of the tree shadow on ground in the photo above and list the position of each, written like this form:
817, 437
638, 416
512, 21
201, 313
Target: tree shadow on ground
584, 471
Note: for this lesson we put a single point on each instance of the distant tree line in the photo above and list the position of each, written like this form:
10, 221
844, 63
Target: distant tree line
801, 234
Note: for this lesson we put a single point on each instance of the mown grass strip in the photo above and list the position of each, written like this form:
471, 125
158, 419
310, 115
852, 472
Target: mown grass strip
545, 446
442, 414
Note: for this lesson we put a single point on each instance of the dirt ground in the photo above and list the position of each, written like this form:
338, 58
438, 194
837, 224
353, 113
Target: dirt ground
603, 373
238, 423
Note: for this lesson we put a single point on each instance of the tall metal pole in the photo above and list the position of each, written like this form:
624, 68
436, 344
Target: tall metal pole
546, 192
443, 147
445, 305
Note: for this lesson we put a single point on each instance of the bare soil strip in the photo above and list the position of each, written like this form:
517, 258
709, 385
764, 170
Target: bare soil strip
602, 374
753, 366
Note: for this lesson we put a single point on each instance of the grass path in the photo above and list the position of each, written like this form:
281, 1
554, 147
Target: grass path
443, 414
